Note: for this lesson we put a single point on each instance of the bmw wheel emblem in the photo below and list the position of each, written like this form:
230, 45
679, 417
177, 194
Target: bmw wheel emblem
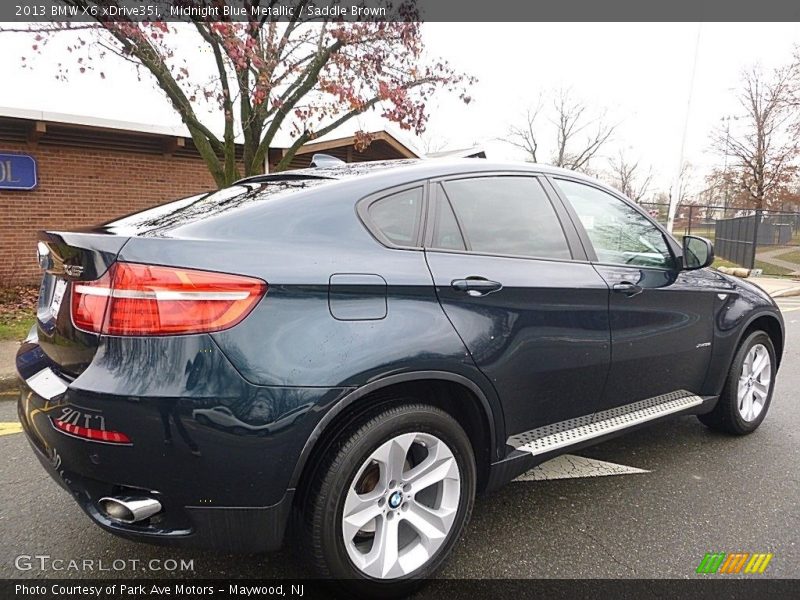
395, 500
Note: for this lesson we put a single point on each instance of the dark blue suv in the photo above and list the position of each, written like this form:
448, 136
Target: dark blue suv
367, 346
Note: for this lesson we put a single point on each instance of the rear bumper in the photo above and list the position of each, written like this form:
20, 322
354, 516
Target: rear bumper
221, 528
223, 481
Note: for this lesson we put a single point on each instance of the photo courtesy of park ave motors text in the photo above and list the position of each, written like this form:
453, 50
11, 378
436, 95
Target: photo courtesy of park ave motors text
373, 299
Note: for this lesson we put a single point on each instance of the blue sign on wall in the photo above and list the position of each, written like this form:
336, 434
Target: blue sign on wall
17, 172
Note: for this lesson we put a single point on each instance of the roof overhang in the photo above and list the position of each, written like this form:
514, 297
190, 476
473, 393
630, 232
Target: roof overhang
350, 140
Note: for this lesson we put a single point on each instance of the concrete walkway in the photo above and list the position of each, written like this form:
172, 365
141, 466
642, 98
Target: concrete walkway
777, 287
772, 257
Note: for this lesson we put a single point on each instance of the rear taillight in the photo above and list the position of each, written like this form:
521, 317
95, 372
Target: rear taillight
134, 299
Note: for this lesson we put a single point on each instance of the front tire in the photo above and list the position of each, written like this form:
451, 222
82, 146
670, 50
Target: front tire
392, 497
748, 389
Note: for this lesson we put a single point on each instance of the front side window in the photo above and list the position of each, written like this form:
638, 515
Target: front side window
398, 216
620, 234
506, 215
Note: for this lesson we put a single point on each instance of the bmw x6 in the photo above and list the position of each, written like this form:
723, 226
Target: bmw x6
344, 356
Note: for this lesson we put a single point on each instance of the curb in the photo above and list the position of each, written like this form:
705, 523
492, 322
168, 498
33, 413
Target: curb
792, 291
8, 384
8, 371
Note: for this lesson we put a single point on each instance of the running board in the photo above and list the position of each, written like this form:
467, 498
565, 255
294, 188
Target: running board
574, 431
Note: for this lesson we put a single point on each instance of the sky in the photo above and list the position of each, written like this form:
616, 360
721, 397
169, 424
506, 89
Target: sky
639, 74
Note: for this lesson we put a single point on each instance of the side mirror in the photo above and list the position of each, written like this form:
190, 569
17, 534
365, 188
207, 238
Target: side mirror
697, 252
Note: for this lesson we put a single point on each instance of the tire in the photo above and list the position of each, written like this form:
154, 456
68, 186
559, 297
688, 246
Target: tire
359, 473
742, 416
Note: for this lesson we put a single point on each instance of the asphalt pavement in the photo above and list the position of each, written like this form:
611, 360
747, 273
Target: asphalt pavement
691, 491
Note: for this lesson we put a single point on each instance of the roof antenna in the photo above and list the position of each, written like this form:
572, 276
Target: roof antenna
325, 160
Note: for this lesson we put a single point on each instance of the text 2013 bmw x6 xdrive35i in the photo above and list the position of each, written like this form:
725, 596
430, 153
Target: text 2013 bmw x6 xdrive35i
366, 347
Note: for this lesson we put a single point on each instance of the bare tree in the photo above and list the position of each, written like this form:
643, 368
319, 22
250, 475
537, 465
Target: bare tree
431, 143
579, 135
763, 149
685, 183
793, 96
525, 136
579, 132
627, 176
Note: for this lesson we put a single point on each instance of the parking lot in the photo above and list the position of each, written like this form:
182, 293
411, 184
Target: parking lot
693, 492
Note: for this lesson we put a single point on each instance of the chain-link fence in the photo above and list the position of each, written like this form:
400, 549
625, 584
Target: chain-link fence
755, 239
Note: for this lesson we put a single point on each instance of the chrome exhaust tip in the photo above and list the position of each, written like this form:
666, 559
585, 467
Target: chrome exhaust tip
129, 509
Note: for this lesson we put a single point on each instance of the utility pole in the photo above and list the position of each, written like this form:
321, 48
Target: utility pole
727, 120
675, 196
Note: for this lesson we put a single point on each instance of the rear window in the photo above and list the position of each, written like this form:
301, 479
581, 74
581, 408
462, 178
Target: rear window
166, 217
397, 217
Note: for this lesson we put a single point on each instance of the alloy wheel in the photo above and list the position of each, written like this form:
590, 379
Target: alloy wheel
754, 382
401, 505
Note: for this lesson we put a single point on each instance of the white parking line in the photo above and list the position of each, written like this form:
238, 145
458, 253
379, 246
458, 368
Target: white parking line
568, 466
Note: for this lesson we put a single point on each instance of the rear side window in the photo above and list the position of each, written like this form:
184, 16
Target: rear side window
397, 217
507, 215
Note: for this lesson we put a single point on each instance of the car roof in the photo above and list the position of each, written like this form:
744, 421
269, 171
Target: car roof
414, 169
245, 200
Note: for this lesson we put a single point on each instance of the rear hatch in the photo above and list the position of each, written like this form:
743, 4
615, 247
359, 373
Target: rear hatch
70, 258
67, 258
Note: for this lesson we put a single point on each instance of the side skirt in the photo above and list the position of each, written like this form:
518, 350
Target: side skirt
536, 446
573, 431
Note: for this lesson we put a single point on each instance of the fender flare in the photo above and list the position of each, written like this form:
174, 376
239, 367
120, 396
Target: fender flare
378, 384
721, 360
775, 315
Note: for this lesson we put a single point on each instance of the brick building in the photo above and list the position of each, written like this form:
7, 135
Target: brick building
92, 170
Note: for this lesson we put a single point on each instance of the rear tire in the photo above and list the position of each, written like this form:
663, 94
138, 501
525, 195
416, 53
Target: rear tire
405, 477
748, 388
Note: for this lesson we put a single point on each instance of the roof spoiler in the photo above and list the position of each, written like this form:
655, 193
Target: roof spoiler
286, 176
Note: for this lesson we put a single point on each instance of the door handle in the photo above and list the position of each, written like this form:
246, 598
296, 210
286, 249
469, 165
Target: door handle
476, 286
627, 288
